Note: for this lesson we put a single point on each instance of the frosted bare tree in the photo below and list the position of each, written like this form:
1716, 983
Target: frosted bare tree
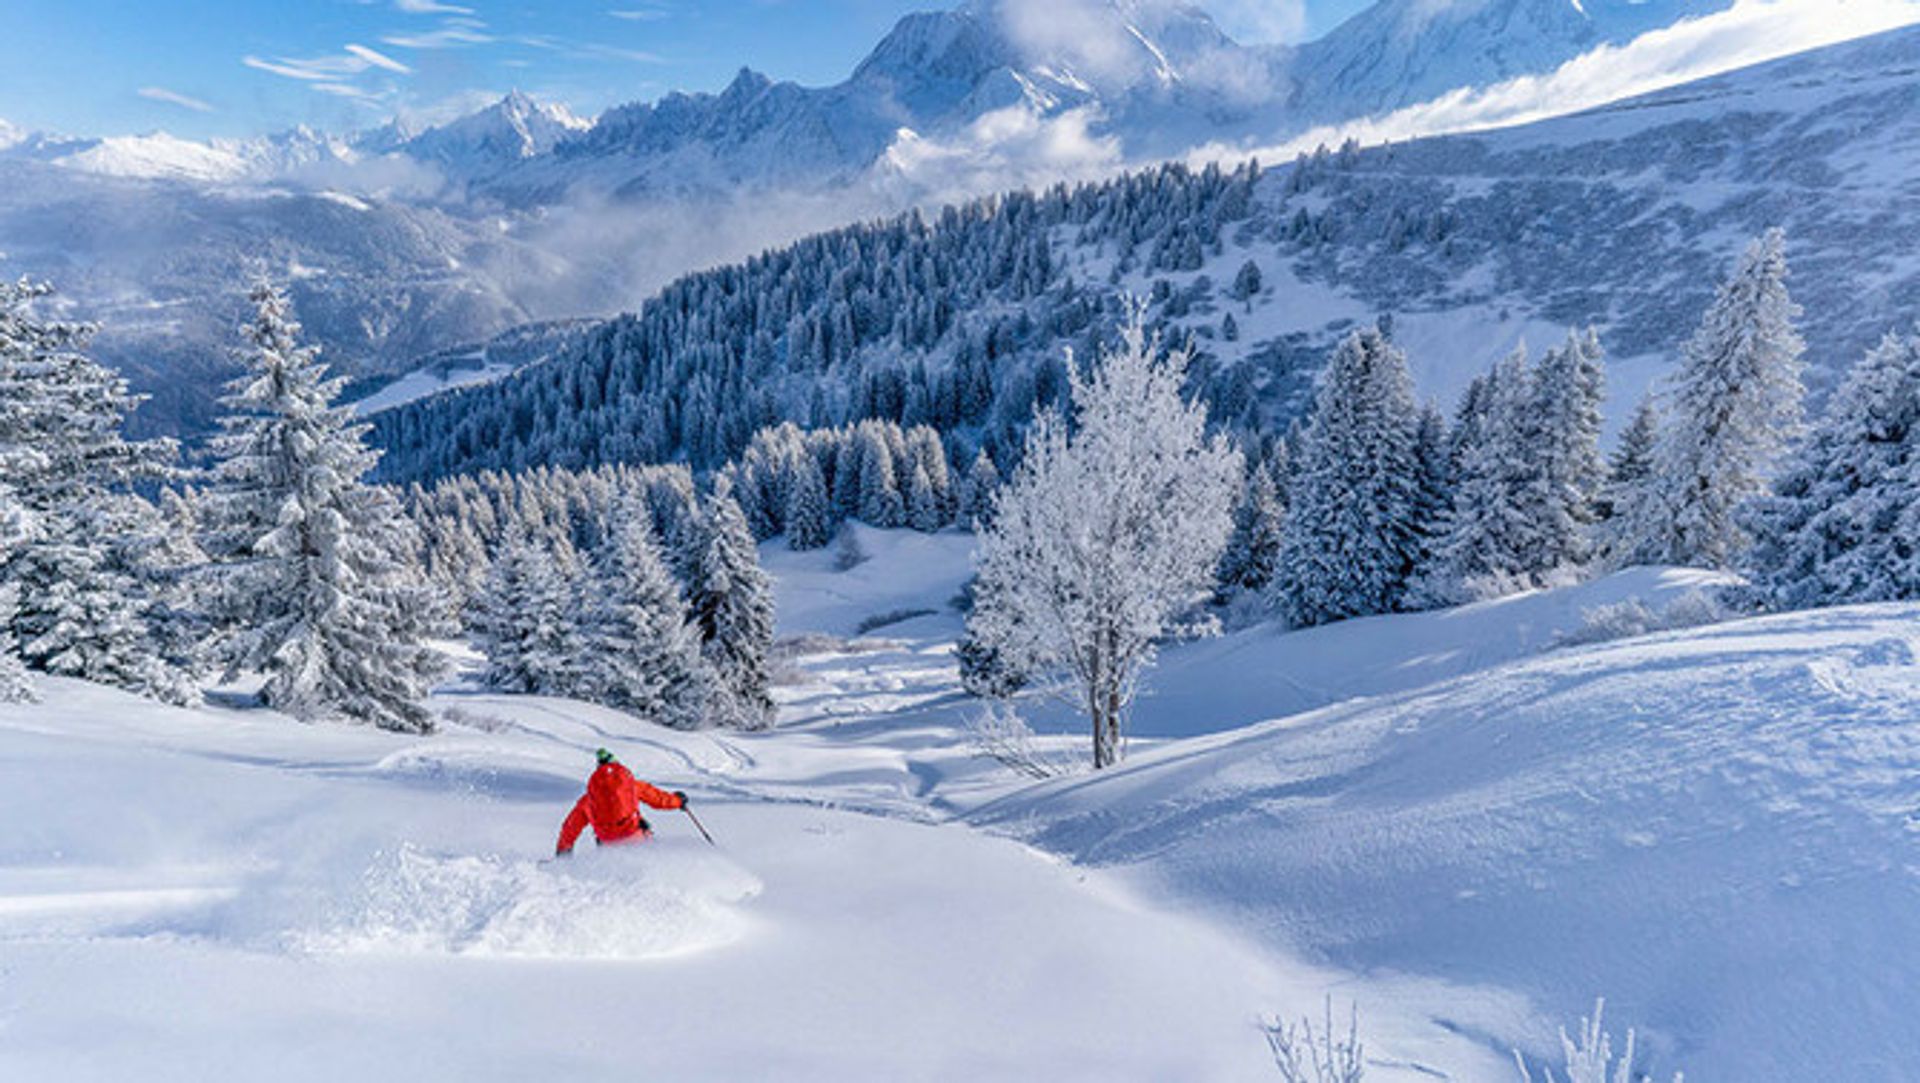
1109, 532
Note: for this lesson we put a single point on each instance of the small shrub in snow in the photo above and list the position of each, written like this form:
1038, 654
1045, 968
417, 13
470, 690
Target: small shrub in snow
848, 553
1590, 1060
1306, 1056
998, 732
1696, 608
1624, 620
1606, 623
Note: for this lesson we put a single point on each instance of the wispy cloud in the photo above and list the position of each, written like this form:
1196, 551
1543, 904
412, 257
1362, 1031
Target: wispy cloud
580, 50
354, 60
378, 60
352, 93
174, 97
639, 15
430, 7
453, 33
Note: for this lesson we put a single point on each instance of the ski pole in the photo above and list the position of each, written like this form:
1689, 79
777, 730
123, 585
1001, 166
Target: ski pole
698, 824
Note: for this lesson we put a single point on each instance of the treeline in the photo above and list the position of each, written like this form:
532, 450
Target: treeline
805, 484
623, 586
1378, 505
954, 322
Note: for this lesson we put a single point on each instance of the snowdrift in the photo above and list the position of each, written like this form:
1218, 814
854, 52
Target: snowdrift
1719, 830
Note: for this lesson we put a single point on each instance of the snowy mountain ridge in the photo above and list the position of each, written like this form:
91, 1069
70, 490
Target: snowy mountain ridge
951, 106
1622, 217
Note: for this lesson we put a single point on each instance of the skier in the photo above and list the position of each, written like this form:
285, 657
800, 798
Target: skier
612, 806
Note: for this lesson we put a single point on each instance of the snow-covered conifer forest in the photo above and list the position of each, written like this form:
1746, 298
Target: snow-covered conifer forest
1395, 559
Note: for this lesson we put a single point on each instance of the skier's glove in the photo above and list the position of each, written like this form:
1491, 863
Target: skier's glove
682, 797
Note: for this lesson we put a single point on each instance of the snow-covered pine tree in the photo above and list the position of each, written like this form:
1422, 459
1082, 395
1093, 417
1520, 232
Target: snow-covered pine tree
16, 527
1735, 406
1842, 524
1628, 472
809, 512
641, 652
81, 608
881, 502
526, 620
1471, 421
1246, 284
977, 494
1352, 538
1491, 530
930, 454
731, 600
1253, 550
320, 582
1433, 500
1107, 536
1569, 389
924, 510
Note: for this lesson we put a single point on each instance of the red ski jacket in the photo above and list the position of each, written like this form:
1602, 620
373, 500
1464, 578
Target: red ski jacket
612, 806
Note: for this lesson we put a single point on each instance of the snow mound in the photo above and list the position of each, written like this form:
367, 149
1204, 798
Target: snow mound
666, 900
1718, 829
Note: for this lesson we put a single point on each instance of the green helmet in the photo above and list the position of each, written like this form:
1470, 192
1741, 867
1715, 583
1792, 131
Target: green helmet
602, 756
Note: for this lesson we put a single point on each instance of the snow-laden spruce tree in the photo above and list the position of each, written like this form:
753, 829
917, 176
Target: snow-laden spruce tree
16, 527
1843, 521
81, 606
641, 654
1735, 406
1353, 535
809, 510
1253, 549
1108, 533
319, 583
526, 620
1491, 529
1569, 390
977, 492
731, 600
1628, 469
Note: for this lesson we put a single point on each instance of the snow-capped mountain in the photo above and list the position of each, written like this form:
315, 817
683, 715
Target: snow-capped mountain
513, 129
523, 211
1623, 217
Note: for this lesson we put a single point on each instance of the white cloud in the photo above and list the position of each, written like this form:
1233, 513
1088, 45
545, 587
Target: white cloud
354, 60
1007, 148
429, 7
378, 60
639, 15
1751, 32
171, 97
451, 35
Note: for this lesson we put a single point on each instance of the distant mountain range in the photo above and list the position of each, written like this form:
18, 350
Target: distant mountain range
1159, 77
402, 241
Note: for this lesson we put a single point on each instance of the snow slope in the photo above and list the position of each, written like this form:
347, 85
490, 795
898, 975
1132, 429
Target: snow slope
1715, 829
261, 899
1718, 830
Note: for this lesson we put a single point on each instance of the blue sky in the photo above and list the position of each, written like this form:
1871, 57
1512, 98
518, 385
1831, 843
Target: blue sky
242, 67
